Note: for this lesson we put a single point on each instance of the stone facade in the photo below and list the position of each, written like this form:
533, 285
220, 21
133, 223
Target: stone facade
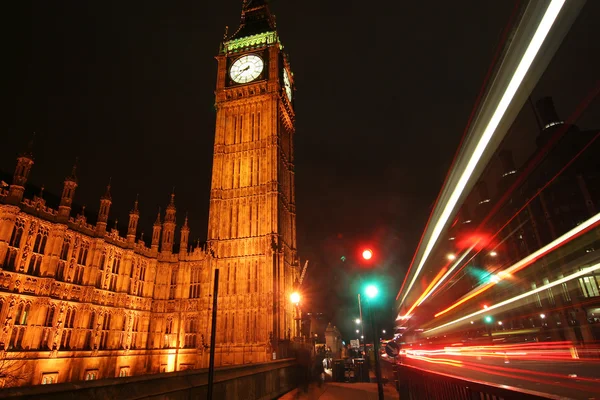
81, 302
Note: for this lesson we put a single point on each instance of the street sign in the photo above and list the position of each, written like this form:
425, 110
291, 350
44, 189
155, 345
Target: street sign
354, 343
392, 349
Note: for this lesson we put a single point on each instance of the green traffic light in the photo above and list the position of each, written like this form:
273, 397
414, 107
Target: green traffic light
488, 319
371, 291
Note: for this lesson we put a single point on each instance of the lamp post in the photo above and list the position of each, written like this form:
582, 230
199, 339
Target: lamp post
360, 321
295, 299
372, 292
213, 332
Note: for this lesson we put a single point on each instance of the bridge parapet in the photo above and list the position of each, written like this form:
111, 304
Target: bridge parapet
252, 381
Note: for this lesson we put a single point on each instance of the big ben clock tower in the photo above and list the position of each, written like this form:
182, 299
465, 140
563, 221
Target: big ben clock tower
252, 219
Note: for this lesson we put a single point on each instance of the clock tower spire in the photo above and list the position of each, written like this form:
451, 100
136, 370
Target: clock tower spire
256, 19
252, 218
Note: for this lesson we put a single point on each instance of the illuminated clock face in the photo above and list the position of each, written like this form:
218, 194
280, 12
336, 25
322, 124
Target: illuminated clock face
287, 84
246, 69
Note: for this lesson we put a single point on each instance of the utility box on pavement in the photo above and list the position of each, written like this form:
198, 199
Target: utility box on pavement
337, 373
361, 370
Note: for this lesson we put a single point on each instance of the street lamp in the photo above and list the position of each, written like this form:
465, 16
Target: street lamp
383, 331
357, 331
357, 320
295, 298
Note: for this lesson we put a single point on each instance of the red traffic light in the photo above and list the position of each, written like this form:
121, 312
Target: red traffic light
367, 254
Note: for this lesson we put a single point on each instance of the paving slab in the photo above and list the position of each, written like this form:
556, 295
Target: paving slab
343, 391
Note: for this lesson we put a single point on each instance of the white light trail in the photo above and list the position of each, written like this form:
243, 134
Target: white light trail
446, 274
584, 271
536, 42
556, 242
527, 260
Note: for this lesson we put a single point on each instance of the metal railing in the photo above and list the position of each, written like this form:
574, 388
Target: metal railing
415, 383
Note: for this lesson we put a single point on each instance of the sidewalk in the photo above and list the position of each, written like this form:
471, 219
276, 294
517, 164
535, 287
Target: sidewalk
343, 391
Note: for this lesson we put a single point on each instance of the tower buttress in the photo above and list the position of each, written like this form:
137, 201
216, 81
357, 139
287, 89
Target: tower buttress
169, 227
156, 232
24, 164
134, 217
68, 193
185, 236
105, 202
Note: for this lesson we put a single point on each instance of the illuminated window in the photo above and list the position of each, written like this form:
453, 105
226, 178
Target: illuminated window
536, 296
49, 378
17, 233
40, 240
549, 292
64, 252
191, 330
589, 286
91, 375
565, 292
70, 318
22, 314
81, 260
123, 371
142, 277
173, 286
49, 316
195, 283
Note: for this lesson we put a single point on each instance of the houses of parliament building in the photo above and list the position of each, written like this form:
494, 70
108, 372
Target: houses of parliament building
78, 301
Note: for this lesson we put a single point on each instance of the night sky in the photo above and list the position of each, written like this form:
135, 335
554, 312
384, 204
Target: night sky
384, 91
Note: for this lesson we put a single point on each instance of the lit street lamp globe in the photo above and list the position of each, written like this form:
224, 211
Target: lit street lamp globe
295, 297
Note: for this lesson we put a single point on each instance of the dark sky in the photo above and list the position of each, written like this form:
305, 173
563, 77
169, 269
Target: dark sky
384, 90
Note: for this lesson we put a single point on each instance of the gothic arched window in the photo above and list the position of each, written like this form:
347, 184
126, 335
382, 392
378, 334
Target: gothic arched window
17, 233
64, 252
50, 316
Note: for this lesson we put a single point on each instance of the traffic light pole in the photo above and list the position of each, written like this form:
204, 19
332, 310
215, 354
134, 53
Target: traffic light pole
376, 350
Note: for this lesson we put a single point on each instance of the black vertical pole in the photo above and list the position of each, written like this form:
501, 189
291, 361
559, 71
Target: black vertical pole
213, 333
376, 349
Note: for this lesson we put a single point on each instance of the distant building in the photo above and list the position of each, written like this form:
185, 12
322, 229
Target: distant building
80, 302
314, 325
333, 340
547, 203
